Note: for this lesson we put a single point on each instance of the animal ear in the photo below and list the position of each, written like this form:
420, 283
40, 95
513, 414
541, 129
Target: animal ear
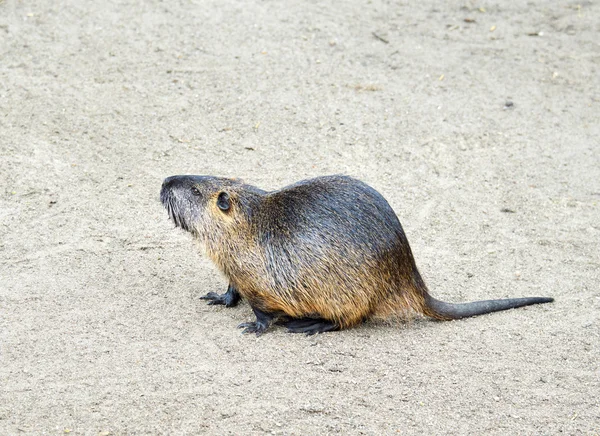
223, 201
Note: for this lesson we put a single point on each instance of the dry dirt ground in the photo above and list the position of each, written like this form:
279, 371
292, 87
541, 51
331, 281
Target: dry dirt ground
479, 121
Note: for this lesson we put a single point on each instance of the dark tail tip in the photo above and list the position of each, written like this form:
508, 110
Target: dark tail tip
446, 311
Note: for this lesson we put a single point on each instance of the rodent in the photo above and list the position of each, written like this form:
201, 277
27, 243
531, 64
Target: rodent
319, 255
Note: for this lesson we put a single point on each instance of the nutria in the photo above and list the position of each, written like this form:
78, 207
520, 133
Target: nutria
319, 255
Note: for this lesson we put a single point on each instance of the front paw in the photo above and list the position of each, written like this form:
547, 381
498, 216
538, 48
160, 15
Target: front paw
229, 299
214, 298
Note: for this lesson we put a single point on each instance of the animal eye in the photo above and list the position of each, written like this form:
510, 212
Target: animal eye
195, 191
223, 202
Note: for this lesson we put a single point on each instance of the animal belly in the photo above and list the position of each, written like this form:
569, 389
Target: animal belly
338, 305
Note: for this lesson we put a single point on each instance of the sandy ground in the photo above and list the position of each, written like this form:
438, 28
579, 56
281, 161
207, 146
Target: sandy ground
478, 121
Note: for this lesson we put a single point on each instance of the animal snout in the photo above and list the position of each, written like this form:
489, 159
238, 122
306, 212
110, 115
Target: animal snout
169, 181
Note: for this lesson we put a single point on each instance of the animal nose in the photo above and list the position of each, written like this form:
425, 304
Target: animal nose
169, 185
169, 181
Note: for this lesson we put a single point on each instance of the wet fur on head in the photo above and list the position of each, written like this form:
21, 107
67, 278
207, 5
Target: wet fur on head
198, 203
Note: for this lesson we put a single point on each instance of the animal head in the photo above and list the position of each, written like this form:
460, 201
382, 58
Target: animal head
208, 206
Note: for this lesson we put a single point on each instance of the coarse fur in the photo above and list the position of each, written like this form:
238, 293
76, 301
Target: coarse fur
321, 254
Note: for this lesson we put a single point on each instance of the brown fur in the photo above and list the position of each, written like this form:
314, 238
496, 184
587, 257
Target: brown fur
329, 248
378, 288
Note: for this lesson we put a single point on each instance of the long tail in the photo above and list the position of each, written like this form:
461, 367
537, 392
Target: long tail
447, 311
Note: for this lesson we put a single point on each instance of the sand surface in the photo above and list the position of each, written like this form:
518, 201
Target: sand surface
478, 121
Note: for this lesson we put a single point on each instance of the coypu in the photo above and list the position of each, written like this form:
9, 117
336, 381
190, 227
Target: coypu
319, 255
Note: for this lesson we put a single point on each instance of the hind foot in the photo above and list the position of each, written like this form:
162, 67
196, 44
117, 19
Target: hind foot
310, 326
229, 299
262, 323
253, 327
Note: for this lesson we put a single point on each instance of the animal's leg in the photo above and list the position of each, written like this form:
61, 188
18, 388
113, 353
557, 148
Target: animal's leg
263, 321
230, 298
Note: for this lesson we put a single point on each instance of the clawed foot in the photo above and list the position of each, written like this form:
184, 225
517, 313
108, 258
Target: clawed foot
310, 326
263, 321
253, 327
214, 298
229, 299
